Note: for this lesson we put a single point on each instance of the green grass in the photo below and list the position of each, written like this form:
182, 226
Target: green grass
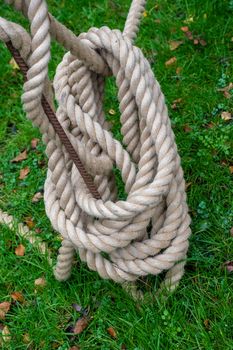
199, 314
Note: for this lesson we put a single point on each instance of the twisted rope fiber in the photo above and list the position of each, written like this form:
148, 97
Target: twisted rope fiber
148, 232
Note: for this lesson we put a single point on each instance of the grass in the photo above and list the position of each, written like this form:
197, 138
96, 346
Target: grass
199, 314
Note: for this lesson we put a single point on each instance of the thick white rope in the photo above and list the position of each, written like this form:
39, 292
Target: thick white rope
148, 232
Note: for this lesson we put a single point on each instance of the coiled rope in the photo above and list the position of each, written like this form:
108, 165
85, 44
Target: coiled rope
121, 240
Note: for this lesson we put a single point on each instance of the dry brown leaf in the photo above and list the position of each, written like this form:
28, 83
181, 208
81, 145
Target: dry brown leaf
210, 125
175, 103
75, 348
207, 324
185, 29
20, 250
37, 197
175, 44
229, 266
226, 90
13, 64
189, 35
6, 335
40, 282
24, 172
187, 185
196, 41
29, 222
226, 116
112, 112
226, 94
38, 230
202, 42
34, 143
4, 308
17, 296
187, 128
26, 338
231, 169
171, 61
157, 20
80, 325
178, 70
189, 20
20, 157
112, 332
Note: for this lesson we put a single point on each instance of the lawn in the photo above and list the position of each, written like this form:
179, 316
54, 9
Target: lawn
198, 37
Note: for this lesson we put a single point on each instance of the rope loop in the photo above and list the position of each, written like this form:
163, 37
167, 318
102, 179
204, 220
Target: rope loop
120, 239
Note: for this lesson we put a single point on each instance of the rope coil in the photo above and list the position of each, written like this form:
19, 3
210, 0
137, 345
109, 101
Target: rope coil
148, 232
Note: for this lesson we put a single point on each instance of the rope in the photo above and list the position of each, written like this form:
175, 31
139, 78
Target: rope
57, 126
148, 232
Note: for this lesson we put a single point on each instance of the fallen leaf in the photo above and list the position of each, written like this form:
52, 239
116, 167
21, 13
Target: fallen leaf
20, 250
80, 325
229, 266
38, 230
20, 157
112, 332
196, 41
4, 308
189, 35
157, 20
187, 185
210, 125
226, 116
175, 44
171, 61
227, 94
231, 230
189, 20
6, 337
185, 29
145, 14
202, 42
13, 64
123, 347
178, 70
17, 296
207, 324
26, 338
24, 172
34, 143
42, 163
226, 90
77, 307
187, 128
231, 169
75, 348
37, 197
224, 162
40, 282
175, 103
29, 222
112, 112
